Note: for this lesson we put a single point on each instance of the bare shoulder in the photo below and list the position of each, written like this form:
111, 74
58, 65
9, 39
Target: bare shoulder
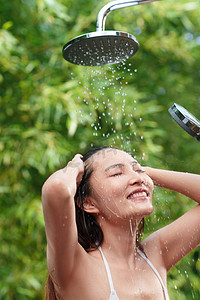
152, 249
172, 242
61, 278
86, 279
151, 244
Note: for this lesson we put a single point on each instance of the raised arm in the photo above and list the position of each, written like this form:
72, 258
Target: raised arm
183, 235
59, 214
184, 183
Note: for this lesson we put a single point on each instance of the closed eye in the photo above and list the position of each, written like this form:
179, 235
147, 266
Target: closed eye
140, 171
117, 174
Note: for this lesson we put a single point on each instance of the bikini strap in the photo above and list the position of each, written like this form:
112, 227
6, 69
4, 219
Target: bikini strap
156, 272
107, 270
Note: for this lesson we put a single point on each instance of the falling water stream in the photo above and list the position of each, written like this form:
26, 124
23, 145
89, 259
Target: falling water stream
109, 108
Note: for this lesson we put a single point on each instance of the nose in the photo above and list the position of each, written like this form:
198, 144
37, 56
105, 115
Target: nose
135, 178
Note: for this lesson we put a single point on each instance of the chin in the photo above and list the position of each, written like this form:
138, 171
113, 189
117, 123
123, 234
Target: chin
144, 211
149, 211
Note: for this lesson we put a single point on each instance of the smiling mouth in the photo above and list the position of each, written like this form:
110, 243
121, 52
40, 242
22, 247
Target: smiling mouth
136, 195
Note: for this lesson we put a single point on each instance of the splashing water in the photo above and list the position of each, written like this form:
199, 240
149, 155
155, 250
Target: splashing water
109, 108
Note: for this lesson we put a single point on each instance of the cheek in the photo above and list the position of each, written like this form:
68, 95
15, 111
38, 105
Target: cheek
106, 189
149, 183
98, 188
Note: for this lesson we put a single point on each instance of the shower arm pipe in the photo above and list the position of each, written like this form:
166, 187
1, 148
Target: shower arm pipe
113, 5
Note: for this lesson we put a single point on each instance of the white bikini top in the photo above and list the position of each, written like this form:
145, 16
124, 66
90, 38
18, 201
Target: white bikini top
113, 294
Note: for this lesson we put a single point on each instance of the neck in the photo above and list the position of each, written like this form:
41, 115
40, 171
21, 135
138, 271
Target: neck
120, 239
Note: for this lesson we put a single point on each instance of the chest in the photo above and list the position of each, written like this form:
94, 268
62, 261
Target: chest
92, 283
138, 283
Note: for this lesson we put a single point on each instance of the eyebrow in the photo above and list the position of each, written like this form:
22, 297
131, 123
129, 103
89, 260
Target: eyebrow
120, 165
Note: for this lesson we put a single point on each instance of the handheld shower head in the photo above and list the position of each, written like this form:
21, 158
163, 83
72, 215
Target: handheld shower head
186, 120
103, 47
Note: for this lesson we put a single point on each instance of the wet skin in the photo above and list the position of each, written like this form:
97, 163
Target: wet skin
120, 189
121, 195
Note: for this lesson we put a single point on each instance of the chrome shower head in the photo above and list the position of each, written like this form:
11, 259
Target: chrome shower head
100, 48
103, 47
186, 120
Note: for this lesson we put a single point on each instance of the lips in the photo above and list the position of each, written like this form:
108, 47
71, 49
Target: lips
139, 193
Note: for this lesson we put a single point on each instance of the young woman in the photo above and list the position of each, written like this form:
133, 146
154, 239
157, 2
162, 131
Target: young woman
93, 210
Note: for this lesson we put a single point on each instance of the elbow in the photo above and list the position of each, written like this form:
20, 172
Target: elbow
54, 191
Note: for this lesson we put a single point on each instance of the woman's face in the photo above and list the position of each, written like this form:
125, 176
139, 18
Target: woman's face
119, 187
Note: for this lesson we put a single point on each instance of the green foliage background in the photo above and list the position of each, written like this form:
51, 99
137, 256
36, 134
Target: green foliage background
51, 109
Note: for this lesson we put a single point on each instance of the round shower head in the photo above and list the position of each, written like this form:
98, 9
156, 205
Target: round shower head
100, 48
186, 120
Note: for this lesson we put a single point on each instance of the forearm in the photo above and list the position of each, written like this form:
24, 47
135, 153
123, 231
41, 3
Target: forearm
58, 203
59, 210
59, 188
58, 195
60, 218
184, 183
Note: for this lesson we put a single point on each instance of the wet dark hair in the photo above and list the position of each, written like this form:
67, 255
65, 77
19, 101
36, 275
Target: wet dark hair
90, 234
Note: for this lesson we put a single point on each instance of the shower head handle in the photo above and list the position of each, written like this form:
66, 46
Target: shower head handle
113, 5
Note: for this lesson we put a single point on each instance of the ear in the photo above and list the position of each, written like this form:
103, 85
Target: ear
90, 207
